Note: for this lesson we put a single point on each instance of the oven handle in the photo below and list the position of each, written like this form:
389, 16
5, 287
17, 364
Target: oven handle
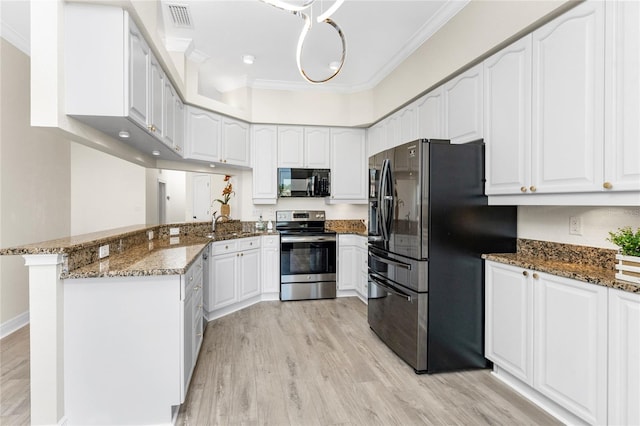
390, 289
390, 261
297, 239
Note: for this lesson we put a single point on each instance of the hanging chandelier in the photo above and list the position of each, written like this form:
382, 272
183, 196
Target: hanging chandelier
324, 17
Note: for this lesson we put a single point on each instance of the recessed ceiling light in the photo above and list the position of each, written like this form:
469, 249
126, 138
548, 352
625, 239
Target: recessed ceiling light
156, 153
248, 59
333, 66
123, 134
212, 165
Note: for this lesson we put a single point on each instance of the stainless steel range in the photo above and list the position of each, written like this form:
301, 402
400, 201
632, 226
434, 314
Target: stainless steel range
307, 255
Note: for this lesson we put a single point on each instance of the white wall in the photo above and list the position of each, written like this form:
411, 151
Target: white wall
34, 182
551, 223
176, 193
106, 192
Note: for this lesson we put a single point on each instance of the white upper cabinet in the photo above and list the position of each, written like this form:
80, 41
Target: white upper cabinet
391, 137
217, 139
179, 123
463, 106
348, 166
622, 89
264, 141
304, 147
430, 115
290, 146
138, 74
203, 135
317, 147
507, 119
407, 121
113, 81
568, 100
235, 142
375, 135
156, 91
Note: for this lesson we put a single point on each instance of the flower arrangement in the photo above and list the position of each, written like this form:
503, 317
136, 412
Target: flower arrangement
227, 191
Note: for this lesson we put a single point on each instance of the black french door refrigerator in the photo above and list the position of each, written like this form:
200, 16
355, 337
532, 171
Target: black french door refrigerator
429, 223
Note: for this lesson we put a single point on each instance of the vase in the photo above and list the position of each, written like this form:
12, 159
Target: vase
225, 209
628, 268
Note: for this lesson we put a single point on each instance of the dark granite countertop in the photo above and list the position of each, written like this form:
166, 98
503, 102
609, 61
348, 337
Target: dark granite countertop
587, 264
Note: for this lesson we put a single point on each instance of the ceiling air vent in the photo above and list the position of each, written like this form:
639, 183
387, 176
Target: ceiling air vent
180, 15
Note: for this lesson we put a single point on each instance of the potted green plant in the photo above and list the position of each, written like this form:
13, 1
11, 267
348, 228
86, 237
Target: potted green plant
628, 258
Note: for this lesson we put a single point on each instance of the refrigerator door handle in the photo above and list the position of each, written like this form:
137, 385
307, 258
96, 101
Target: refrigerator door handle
390, 261
391, 290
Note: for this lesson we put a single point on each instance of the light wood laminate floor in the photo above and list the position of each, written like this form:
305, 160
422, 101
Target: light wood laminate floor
305, 363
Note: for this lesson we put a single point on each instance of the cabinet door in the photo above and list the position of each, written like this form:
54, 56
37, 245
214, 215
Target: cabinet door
463, 106
156, 92
568, 99
138, 93
249, 274
187, 349
264, 142
203, 135
179, 123
391, 137
348, 165
235, 142
570, 345
375, 134
270, 264
429, 115
223, 281
290, 146
624, 353
507, 119
347, 267
168, 133
622, 127
408, 128
509, 319
317, 147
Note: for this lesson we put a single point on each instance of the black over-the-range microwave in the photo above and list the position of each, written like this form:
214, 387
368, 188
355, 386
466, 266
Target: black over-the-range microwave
304, 182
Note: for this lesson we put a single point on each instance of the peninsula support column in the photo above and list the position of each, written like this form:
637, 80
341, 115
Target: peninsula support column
46, 309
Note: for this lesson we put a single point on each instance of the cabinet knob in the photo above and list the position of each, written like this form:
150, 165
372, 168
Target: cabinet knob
241, 254
607, 185
190, 278
523, 189
525, 273
226, 247
535, 276
532, 188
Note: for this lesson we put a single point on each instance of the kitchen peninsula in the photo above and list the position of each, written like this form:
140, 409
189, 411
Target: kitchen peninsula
115, 340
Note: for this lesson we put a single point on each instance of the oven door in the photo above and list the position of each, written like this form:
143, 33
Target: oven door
307, 258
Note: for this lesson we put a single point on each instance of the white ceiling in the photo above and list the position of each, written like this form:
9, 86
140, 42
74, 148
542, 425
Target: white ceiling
379, 36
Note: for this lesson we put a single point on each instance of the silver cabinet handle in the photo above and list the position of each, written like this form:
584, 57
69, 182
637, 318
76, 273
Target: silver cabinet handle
290, 239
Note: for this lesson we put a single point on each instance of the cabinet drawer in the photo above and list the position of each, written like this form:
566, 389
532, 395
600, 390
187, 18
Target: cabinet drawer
249, 243
222, 247
272, 241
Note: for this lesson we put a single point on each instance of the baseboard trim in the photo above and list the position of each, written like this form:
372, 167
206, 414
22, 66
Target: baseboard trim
537, 398
14, 324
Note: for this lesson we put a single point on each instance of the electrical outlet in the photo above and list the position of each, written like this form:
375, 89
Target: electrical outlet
174, 231
575, 225
104, 251
150, 235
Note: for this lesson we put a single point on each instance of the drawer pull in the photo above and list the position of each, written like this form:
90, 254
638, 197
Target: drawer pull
607, 185
525, 273
535, 276
523, 189
532, 188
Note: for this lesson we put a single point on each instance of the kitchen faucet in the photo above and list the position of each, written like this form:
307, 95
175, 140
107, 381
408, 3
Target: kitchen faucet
216, 219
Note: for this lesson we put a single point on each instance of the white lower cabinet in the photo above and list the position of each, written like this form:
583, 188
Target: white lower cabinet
624, 354
570, 345
509, 319
352, 264
234, 274
551, 334
270, 269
